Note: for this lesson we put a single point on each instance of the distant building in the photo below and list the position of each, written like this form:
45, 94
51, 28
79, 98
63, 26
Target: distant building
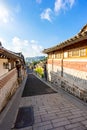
9, 79
67, 64
34, 59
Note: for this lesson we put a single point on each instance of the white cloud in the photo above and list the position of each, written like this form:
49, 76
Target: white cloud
33, 41
63, 5
28, 48
2, 40
58, 5
71, 2
5, 14
46, 14
38, 1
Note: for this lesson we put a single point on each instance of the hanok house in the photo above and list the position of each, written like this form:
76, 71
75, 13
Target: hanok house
9, 78
67, 64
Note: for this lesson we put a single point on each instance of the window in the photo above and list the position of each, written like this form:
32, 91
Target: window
78, 52
58, 55
50, 56
75, 53
65, 54
70, 54
83, 52
5, 65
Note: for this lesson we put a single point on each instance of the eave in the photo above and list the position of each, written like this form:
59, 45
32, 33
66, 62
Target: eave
4, 53
81, 36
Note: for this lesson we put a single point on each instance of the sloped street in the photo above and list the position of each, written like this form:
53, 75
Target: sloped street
44, 109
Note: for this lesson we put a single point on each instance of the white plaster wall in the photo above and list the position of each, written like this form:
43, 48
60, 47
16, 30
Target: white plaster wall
49, 69
75, 76
2, 70
57, 69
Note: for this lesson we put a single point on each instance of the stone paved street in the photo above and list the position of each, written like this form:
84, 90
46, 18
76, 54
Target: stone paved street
55, 111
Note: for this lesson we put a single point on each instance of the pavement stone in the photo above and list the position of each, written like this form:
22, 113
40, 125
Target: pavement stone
79, 128
77, 119
59, 128
56, 111
61, 123
71, 126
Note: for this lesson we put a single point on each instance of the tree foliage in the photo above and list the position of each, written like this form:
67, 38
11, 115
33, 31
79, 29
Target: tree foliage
39, 70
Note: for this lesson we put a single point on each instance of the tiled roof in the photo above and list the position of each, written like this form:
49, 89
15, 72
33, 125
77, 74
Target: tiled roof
82, 35
7, 54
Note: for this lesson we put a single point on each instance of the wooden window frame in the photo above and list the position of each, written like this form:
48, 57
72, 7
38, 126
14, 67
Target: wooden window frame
50, 56
5, 65
70, 55
79, 51
57, 55
83, 52
76, 51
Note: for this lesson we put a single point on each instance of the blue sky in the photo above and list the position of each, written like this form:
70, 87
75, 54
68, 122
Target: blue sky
29, 26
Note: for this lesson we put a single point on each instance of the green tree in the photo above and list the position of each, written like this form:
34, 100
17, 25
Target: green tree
40, 71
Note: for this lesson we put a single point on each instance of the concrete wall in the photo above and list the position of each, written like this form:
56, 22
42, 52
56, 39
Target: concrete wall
2, 69
8, 85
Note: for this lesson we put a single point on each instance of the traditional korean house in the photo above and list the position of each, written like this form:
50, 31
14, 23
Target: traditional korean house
67, 64
9, 78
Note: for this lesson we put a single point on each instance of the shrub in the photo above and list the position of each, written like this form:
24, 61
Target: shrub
40, 71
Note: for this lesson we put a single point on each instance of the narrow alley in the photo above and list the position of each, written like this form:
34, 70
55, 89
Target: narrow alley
43, 65
36, 106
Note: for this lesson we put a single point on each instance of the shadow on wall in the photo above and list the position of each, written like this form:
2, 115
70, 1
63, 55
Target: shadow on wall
70, 83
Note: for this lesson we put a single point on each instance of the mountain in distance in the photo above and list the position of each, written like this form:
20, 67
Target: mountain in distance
36, 58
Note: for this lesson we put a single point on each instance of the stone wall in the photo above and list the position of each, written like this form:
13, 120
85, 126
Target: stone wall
72, 76
76, 70
8, 85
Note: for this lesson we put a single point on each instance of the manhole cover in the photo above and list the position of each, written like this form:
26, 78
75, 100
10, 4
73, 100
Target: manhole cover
25, 117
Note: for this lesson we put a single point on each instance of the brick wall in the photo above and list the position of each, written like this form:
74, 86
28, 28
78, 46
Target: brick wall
49, 61
57, 66
76, 68
78, 64
8, 85
54, 66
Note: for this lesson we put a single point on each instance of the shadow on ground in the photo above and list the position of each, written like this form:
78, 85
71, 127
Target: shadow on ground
34, 86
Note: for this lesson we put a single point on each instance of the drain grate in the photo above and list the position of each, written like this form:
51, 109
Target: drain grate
25, 117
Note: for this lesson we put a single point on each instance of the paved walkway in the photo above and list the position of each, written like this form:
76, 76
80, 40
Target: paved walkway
56, 111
